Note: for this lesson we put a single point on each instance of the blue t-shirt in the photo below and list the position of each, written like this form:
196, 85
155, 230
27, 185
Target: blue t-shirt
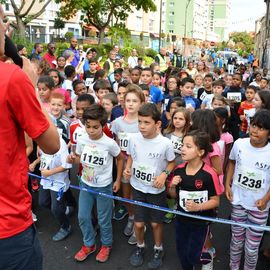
155, 94
192, 101
117, 111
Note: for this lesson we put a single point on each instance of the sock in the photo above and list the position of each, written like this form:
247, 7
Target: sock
131, 217
158, 248
141, 245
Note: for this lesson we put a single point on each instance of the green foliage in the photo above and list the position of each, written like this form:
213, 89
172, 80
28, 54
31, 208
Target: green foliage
243, 41
148, 60
69, 35
118, 32
59, 23
150, 53
141, 36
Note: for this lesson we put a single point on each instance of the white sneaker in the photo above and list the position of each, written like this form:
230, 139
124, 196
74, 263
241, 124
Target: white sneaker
209, 266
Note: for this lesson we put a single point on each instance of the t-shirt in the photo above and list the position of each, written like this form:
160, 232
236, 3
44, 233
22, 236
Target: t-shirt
150, 158
155, 94
50, 59
133, 61
177, 143
88, 77
117, 111
48, 162
192, 102
207, 101
202, 94
199, 188
76, 128
20, 110
251, 178
123, 130
63, 123
225, 138
243, 110
97, 159
67, 84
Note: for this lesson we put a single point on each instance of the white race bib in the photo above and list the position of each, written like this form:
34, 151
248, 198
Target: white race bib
123, 140
236, 97
93, 157
45, 161
203, 95
143, 173
177, 143
195, 196
250, 179
88, 81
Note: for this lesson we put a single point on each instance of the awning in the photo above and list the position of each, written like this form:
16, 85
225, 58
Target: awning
153, 35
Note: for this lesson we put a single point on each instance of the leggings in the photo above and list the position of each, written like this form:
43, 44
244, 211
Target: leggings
248, 237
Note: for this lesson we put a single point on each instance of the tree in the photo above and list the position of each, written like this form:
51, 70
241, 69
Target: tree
100, 13
117, 32
24, 12
243, 41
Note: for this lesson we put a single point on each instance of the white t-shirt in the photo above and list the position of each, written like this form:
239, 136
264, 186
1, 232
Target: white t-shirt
48, 162
150, 158
124, 130
97, 159
133, 61
251, 179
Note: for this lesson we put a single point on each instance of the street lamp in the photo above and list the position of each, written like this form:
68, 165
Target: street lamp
185, 29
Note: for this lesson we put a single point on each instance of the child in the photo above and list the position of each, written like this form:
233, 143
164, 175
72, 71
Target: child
102, 87
207, 89
95, 151
186, 87
262, 100
157, 80
118, 110
123, 128
55, 168
89, 74
155, 93
198, 84
248, 189
70, 74
195, 185
135, 75
177, 129
117, 78
79, 89
150, 161
146, 91
171, 88
191, 70
109, 101
45, 86
219, 101
244, 109
264, 84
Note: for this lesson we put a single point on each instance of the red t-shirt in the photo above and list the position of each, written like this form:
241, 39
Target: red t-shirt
50, 59
20, 110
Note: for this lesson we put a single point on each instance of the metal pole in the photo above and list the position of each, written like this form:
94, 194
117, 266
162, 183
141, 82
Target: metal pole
266, 33
160, 23
185, 29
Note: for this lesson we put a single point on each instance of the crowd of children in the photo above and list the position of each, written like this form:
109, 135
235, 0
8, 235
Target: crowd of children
178, 139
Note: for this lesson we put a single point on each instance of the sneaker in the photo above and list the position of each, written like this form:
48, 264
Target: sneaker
132, 239
136, 258
84, 252
210, 265
62, 234
212, 251
69, 211
103, 254
129, 229
34, 217
120, 213
156, 261
169, 217
35, 185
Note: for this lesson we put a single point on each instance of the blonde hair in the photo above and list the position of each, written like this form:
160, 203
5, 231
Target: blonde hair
136, 90
219, 98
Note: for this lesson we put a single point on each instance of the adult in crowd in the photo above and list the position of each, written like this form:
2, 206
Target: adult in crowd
22, 51
72, 47
118, 55
160, 59
38, 50
49, 56
19, 246
231, 63
109, 63
178, 59
133, 59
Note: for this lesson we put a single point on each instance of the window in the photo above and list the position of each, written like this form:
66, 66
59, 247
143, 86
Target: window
7, 6
171, 13
171, 4
171, 22
171, 31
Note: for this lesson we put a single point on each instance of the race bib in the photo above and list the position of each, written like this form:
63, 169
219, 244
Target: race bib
195, 196
123, 140
88, 81
143, 173
45, 161
250, 179
93, 157
177, 144
236, 97
203, 95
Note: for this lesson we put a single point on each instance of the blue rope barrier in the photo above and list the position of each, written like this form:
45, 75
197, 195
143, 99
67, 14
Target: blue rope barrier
155, 207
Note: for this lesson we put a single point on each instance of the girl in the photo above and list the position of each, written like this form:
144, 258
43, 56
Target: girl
176, 130
248, 189
122, 128
262, 100
201, 68
157, 81
198, 84
226, 139
45, 87
195, 186
191, 70
61, 63
171, 87
219, 101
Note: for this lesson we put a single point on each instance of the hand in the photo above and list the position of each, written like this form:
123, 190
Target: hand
71, 158
228, 193
176, 180
116, 186
127, 173
261, 204
45, 173
159, 181
32, 167
192, 206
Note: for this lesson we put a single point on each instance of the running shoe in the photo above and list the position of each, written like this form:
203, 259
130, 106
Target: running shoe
157, 259
120, 213
129, 229
84, 252
103, 254
62, 234
137, 257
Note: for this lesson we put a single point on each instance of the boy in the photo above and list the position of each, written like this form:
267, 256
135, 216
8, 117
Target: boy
89, 74
218, 88
95, 151
246, 110
207, 89
264, 84
186, 89
150, 161
118, 73
102, 87
155, 93
135, 75
146, 91
79, 89
70, 75
57, 107
118, 110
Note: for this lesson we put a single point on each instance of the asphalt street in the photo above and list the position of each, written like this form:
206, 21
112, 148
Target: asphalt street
60, 255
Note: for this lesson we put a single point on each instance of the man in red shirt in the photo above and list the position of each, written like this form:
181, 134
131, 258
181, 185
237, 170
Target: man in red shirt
20, 112
49, 56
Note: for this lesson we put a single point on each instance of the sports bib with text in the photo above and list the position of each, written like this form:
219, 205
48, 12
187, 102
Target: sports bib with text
123, 140
195, 196
45, 161
143, 173
93, 157
177, 144
236, 97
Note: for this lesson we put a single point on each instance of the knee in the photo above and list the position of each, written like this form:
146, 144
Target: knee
155, 226
139, 225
